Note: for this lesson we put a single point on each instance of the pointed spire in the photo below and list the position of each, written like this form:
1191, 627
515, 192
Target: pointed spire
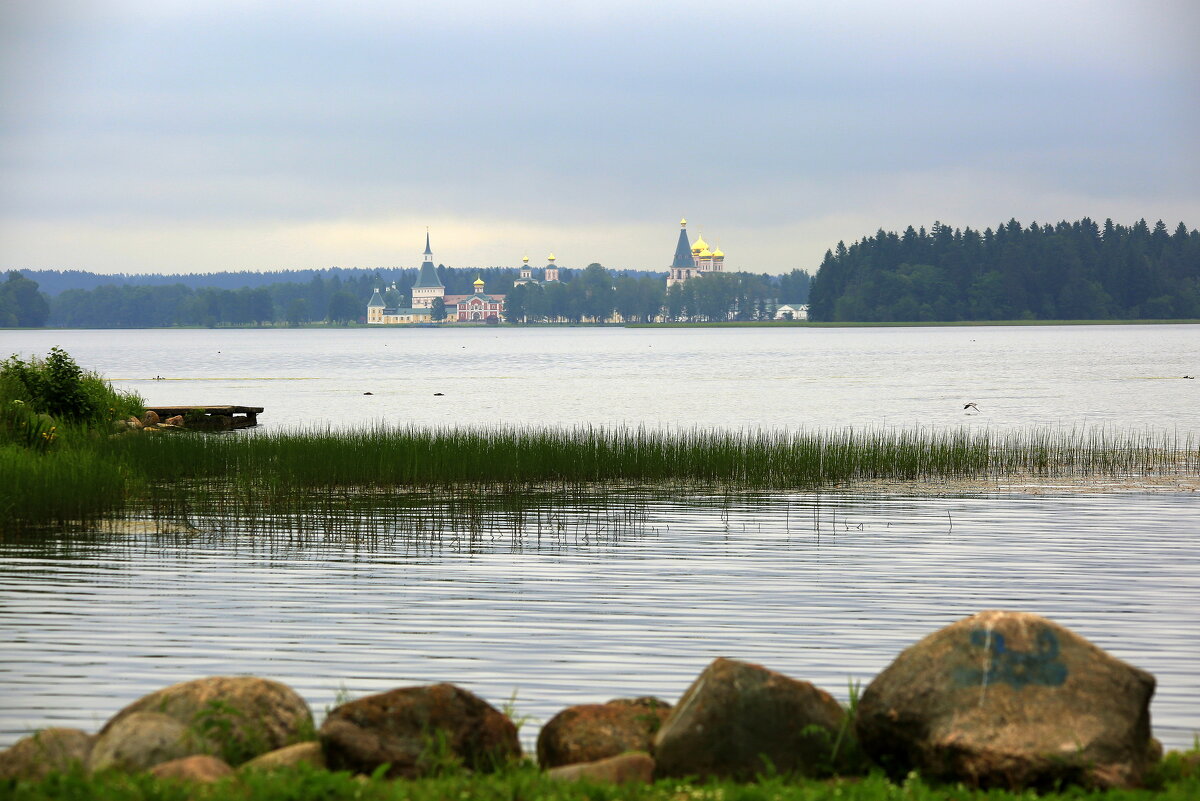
683, 222
428, 252
683, 249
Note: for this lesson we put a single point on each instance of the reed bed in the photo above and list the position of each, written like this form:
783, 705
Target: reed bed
409, 480
750, 460
58, 487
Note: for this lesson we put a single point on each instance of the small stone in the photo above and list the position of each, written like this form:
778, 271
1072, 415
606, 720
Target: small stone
48, 751
403, 727
739, 720
591, 732
198, 768
622, 769
309, 753
177, 420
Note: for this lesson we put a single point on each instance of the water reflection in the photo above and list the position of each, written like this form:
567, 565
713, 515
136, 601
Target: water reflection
577, 597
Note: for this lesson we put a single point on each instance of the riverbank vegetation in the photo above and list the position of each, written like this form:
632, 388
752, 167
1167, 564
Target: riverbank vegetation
1176, 779
1078, 270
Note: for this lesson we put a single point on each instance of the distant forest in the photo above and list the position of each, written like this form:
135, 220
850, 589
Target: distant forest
76, 299
1068, 271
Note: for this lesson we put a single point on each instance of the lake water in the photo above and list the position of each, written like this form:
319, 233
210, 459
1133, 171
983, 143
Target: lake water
1124, 376
634, 596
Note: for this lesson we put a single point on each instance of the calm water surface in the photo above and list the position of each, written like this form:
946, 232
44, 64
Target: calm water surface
595, 602
1124, 376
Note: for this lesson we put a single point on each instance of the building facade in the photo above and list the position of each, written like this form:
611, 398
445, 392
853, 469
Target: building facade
549, 273
692, 260
386, 307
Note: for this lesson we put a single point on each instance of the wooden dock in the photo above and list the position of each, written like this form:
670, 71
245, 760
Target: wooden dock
220, 417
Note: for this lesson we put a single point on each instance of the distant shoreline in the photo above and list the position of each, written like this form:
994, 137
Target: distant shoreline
725, 324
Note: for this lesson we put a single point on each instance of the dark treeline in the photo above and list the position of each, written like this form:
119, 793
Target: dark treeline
1069, 271
334, 295
340, 296
596, 294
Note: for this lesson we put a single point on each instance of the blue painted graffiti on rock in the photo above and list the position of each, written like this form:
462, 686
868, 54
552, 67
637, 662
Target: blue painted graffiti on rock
1017, 669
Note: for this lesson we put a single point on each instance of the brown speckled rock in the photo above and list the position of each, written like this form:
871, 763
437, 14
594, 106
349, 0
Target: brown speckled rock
622, 769
309, 753
736, 713
591, 732
245, 715
48, 751
199, 768
141, 740
1009, 699
398, 727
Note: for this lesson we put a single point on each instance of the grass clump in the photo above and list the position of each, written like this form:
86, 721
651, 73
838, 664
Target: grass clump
53, 467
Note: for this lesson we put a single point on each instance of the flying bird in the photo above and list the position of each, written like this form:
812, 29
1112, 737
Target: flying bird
971, 406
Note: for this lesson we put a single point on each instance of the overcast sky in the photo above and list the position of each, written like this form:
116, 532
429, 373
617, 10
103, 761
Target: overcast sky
195, 136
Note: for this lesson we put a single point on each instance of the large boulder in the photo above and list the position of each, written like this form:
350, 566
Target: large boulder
633, 767
740, 720
1009, 699
246, 716
591, 732
48, 751
200, 768
141, 740
415, 730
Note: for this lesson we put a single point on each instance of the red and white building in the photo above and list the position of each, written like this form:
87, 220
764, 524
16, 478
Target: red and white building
476, 308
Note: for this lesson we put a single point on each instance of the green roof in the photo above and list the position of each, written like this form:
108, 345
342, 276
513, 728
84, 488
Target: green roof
376, 300
428, 277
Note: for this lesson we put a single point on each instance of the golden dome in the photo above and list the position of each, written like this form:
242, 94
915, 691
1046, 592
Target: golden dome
525, 260
682, 223
717, 254
700, 244
706, 254
478, 282
551, 257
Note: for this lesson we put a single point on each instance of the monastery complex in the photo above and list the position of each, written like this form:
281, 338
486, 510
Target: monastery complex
386, 307
478, 307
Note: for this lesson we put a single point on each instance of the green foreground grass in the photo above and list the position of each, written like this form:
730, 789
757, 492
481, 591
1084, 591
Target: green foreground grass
1177, 780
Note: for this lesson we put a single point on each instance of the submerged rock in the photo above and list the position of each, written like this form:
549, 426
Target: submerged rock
1009, 699
48, 751
246, 715
414, 729
739, 720
590, 732
623, 769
